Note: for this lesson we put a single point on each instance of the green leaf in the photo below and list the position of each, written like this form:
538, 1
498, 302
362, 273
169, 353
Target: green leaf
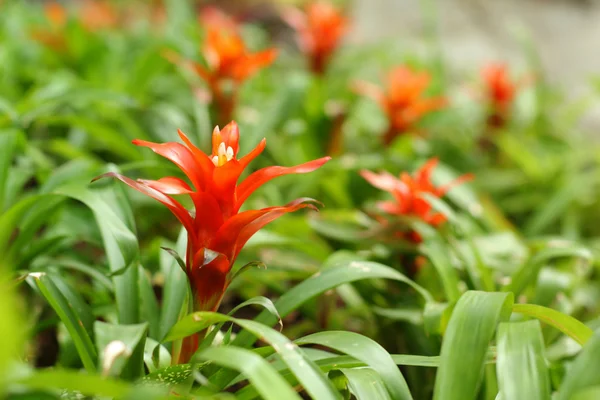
121, 248
29, 227
149, 308
591, 393
170, 376
76, 302
366, 384
11, 329
262, 301
345, 271
111, 138
466, 342
583, 373
261, 375
521, 367
367, 351
175, 290
121, 349
529, 271
438, 253
10, 219
69, 317
87, 384
315, 383
176, 257
554, 207
156, 356
8, 144
565, 323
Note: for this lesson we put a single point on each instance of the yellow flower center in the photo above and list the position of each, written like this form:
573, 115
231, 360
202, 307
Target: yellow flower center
224, 154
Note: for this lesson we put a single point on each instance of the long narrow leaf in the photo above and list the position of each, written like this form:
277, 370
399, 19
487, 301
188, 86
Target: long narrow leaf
305, 370
261, 375
583, 374
466, 342
565, 323
367, 351
521, 368
69, 317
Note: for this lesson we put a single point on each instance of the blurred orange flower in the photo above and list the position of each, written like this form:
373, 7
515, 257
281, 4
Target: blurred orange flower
320, 30
403, 100
407, 191
93, 15
228, 61
96, 15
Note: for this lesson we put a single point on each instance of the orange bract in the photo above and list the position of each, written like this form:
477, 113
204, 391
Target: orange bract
407, 191
403, 100
320, 29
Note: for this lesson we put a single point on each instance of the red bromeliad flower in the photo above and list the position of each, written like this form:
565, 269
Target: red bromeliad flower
93, 16
228, 61
320, 30
500, 93
217, 230
96, 15
403, 101
407, 191
56, 16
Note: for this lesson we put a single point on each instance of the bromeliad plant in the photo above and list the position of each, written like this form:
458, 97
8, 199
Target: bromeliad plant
92, 15
320, 30
403, 100
409, 195
228, 62
216, 229
500, 92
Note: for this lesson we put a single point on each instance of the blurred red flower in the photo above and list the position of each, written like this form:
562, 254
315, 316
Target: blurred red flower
217, 230
407, 191
320, 30
500, 93
228, 62
93, 16
403, 100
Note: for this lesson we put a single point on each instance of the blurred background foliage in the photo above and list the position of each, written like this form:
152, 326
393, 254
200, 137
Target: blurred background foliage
82, 264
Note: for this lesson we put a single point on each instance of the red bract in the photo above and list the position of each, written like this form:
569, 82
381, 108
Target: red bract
228, 62
500, 93
217, 230
320, 30
403, 100
93, 15
407, 191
